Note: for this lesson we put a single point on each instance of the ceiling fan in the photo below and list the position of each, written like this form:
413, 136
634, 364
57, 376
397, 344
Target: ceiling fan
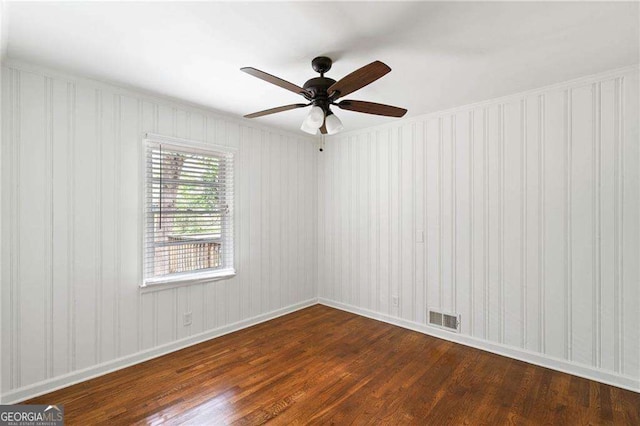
323, 92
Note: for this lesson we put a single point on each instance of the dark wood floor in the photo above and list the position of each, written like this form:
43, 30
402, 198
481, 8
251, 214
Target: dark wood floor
322, 365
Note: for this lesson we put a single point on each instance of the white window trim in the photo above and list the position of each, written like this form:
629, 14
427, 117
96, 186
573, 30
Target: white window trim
187, 278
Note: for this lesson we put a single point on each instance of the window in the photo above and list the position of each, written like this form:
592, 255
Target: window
188, 211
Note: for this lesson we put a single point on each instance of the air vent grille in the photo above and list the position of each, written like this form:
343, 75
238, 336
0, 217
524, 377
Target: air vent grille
446, 321
450, 321
435, 318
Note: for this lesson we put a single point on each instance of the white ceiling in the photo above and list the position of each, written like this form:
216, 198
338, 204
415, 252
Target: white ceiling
442, 54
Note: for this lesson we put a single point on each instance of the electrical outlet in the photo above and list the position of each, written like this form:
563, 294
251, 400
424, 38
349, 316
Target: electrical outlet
186, 319
394, 300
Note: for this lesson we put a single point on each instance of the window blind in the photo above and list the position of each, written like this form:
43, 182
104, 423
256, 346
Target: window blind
188, 226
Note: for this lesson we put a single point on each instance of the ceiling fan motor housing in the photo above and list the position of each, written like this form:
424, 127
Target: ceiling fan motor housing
318, 88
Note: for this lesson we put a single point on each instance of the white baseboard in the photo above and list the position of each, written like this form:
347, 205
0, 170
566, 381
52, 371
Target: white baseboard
553, 363
50, 385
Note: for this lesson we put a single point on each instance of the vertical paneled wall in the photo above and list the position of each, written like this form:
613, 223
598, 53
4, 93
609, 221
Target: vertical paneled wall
521, 214
71, 226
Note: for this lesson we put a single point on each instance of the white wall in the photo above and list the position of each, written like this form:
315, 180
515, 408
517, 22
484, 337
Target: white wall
71, 229
521, 214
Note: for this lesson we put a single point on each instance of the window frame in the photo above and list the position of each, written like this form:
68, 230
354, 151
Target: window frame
192, 277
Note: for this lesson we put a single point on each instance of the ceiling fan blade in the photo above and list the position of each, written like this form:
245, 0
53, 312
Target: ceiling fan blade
372, 108
323, 128
358, 79
275, 80
274, 110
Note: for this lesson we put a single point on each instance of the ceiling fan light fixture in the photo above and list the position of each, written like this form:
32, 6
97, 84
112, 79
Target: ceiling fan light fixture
333, 124
309, 129
315, 118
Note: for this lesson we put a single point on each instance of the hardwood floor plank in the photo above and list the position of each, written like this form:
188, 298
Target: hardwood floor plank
321, 365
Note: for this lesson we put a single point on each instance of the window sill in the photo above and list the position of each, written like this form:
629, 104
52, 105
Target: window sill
187, 279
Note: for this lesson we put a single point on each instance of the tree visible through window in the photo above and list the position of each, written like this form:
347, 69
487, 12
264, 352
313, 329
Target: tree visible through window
188, 231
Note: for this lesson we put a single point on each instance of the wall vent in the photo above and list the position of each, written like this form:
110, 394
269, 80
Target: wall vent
446, 321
